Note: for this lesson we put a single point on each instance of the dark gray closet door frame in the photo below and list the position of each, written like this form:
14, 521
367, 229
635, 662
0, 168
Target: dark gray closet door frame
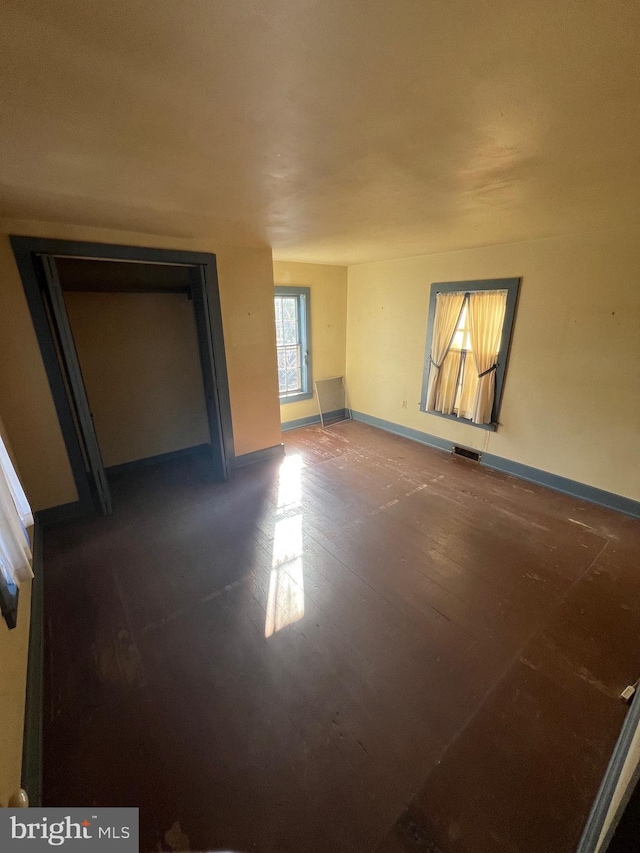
201, 299
28, 252
77, 394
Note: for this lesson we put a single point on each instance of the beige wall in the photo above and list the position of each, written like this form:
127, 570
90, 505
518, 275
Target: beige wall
14, 647
571, 401
139, 358
25, 399
328, 323
246, 295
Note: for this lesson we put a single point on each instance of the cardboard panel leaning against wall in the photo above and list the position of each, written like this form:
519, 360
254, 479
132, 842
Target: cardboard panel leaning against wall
246, 294
328, 324
571, 405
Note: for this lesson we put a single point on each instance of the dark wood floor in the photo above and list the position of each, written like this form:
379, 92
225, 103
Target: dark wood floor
375, 647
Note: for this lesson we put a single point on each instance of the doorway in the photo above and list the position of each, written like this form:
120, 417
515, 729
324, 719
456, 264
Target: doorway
58, 278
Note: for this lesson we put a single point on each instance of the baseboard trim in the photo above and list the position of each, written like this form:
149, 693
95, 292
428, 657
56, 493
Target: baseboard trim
59, 514
264, 455
405, 432
31, 779
610, 500
76, 509
589, 843
172, 455
300, 422
312, 419
562, 484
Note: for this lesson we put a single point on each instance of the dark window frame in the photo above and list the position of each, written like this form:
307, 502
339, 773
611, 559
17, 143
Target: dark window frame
303, 295
512, 286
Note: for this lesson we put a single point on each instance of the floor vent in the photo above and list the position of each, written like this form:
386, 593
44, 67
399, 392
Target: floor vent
468, 454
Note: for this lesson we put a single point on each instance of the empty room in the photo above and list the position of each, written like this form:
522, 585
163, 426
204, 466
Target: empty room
320, 426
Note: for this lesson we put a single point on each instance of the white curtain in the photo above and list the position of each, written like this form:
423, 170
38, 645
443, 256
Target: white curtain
466, 399
15, 517
486, 316
445, 322
447, 384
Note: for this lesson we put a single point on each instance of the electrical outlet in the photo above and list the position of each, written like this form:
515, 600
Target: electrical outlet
628, 693
404, 404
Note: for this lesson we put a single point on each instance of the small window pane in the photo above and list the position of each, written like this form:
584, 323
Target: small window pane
290, 332
291, 356
462, 337
292, 380
289, 308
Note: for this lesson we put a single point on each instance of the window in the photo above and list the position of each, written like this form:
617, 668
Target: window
293, 342
468, 338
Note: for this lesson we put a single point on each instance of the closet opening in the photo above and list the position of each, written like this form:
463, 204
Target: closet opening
133, 347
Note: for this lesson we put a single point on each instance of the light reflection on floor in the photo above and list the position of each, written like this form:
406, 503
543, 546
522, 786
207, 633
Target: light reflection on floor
285, 603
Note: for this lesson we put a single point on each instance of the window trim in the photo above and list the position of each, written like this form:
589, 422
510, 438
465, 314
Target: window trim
305, 336
512, 286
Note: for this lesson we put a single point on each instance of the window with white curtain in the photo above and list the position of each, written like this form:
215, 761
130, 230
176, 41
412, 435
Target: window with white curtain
15, 518
468, 337
293, 341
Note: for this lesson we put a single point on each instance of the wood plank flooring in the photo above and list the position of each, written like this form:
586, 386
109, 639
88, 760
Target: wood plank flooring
372, 646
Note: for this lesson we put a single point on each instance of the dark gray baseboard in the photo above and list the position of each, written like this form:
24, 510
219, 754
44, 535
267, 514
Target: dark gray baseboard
196, 450
32, 737
405, 432
75, 510
589, 842
59, 514
312, 419
267, 453
300, 422
516, 469
562, 484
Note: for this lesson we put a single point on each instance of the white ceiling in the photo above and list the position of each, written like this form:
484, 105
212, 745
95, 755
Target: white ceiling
334, 131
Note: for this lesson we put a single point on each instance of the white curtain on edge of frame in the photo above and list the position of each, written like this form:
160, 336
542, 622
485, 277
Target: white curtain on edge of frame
15, 517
